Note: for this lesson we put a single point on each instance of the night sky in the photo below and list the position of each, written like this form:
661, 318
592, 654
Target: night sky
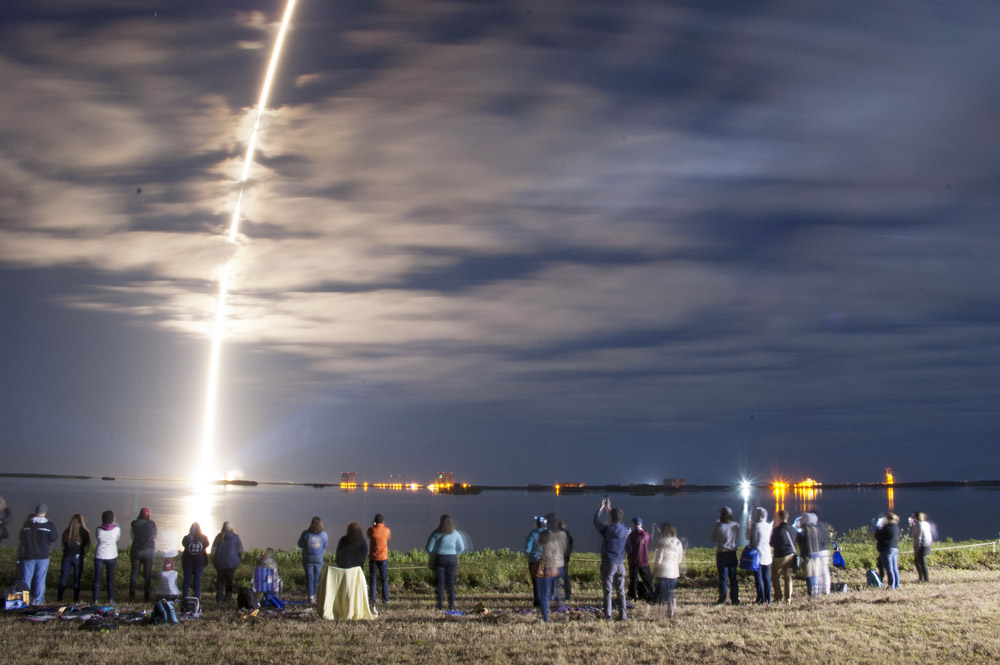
605, 241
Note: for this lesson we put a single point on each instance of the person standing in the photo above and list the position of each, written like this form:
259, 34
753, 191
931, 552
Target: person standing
533, 550
920, 532
887, 544
194, 559
667, 567
76, 540
547, 571
106, 555
561, 545
34, 550
378, 558
758, 534
227, 552
613, 537
813, 550
783, 542
724, 534
640, 581
143, 547
5, 517
313, 543
445, 544
567, 551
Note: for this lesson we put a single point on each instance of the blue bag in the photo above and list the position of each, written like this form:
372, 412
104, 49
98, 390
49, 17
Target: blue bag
750, 559
873, 579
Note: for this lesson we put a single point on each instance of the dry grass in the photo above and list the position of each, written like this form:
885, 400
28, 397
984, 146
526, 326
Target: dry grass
952, 620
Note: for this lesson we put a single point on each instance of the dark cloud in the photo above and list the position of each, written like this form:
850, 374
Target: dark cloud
686, 229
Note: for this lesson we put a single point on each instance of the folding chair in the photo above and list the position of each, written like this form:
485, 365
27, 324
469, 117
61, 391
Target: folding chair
266, 582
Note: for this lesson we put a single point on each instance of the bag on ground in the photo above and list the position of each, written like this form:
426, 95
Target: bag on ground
247, 599
191, 605
164, 613
873, 579
17, 596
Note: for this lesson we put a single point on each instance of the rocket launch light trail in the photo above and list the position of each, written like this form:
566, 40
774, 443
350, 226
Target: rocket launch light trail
204, 469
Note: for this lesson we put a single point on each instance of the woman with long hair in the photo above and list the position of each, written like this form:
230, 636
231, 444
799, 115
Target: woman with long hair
758, 534
445, 544
920, 531
352, 549
76, 540
313, 543
194, 559
106, 554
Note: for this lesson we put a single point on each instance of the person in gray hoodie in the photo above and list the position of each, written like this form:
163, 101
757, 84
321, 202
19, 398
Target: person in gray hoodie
143, 547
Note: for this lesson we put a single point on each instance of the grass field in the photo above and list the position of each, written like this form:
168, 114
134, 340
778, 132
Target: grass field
954, 619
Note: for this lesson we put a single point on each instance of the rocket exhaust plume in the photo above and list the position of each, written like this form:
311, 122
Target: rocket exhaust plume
206, 460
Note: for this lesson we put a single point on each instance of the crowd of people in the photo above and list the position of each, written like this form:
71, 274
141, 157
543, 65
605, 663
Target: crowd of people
654, 560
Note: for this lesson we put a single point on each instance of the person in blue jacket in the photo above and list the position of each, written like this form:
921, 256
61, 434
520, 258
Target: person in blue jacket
533, 549
613, 538
227, 552
445, 544
313, 543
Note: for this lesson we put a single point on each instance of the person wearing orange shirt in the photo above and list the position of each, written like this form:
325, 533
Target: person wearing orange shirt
378, 558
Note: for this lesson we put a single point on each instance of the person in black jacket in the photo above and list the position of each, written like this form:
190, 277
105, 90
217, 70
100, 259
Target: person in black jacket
143, 546
887, 543
227, 552
194, 559
37, 536
783, 545
76, 540
352, 550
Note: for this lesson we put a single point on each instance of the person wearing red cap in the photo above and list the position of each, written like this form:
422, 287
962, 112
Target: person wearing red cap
143, 546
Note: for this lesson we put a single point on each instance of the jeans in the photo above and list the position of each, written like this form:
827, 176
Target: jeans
640, 583
782, 576
107, 566
72, 563
762, 581
192, 576
890, 564
613, 577
141, 561
536, 598
665, 589
545, 590
446, 566
920, 561
33, 572
224, 582
313, 572
378, 570
727, 563
564, 575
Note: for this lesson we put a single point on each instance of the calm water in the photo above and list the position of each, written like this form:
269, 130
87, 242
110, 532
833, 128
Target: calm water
275, 515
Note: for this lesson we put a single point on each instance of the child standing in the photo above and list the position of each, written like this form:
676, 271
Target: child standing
666, 567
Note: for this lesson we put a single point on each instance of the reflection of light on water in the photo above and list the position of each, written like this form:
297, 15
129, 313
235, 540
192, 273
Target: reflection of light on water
199, 504
779, 489
892, 498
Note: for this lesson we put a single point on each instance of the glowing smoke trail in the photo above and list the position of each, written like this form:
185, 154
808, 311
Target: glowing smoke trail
204, 468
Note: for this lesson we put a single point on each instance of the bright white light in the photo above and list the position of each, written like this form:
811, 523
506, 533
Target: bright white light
204, 470
745, 488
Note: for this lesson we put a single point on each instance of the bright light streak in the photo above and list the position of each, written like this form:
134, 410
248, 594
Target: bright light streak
745, 489
204, 471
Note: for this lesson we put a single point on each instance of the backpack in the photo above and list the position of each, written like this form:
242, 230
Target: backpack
838, 560
750, 559
164, 613
191, 605
873, 579
247, 599
18, 596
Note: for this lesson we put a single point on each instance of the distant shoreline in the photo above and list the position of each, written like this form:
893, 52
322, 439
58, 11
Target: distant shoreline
634, 489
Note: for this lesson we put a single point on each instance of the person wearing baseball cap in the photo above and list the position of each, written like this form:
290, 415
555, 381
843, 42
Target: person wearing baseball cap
37, 536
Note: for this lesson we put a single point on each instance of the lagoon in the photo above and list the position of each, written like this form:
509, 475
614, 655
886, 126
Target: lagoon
275, 515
